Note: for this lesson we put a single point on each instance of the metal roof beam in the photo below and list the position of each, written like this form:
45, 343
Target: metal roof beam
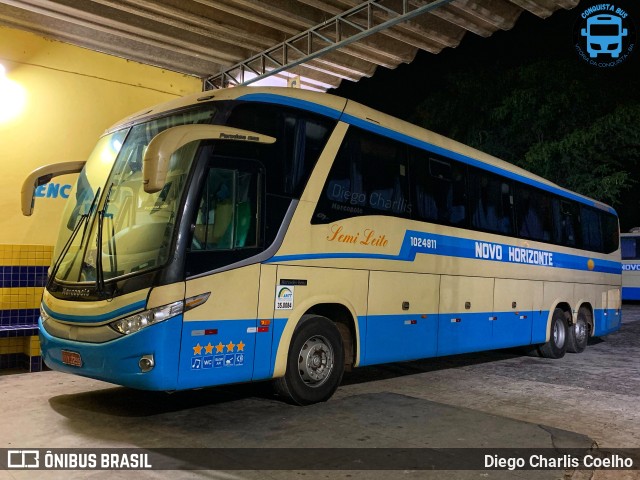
341, 67
330, 35
271, 22
500, 14
180, 18
119, 28
425, 32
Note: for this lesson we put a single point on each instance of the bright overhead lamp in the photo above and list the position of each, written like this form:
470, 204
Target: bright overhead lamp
13, 97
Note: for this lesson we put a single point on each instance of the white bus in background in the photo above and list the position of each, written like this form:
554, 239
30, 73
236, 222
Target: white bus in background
631, 264
253, 233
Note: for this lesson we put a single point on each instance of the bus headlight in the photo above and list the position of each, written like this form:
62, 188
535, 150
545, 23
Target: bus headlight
137, 322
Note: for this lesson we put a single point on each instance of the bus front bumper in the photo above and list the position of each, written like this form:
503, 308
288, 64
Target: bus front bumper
118, 361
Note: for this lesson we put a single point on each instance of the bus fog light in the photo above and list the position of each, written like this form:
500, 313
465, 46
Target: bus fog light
146, 363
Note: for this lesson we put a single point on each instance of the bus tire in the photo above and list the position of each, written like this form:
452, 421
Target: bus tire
556, 347
578, 334
315, 363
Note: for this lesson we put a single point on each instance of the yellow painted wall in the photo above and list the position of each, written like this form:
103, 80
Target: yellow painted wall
72, 96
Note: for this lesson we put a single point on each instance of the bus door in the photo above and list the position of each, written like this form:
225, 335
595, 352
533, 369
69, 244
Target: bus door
514, 310
219, 337
466, 314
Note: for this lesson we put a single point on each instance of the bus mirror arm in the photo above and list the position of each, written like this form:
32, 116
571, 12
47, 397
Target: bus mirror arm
158, 154
43, 175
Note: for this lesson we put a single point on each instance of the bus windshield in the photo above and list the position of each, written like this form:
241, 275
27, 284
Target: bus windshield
114, 227
604, 30
630, 247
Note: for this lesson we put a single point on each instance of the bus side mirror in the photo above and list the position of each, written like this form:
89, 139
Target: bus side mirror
43, 175
158, 154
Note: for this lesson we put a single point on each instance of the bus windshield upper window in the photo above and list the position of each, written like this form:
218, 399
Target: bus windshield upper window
630, 248
301, 137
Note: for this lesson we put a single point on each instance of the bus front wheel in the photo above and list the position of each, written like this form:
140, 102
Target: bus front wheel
557, 344
579, 333
315, 363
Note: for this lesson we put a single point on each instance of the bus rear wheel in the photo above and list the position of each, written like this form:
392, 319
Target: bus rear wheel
578, 334
556, 347
315, 363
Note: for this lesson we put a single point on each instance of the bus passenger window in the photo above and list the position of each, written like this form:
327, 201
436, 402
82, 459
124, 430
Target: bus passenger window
422, 187
368, 177
345, 183
491, 202
449, 191
591, 229
426, 205
533, 214
565, 219
458, 211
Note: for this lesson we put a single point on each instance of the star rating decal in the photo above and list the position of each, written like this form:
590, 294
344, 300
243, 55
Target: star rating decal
210, 357
220, 348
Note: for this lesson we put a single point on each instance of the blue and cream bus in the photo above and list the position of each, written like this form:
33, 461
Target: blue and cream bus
254, 233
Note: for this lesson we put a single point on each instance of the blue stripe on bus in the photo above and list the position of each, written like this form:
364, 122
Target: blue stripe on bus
393, 338
443, 245
386, 132
95, 318
198, 359
630, 293
292, 102
606, 321
223, 351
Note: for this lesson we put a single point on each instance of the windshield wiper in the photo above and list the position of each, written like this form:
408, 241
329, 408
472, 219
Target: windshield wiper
99, 269
83, 219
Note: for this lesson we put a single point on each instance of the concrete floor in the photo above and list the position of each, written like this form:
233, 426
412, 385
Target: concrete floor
493, 399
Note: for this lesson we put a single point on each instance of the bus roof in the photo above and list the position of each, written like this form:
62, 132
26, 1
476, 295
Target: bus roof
362, 116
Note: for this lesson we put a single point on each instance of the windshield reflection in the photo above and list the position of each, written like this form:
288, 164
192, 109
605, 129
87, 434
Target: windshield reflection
127, 230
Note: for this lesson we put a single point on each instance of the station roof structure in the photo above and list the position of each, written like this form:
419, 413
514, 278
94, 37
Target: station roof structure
228, 42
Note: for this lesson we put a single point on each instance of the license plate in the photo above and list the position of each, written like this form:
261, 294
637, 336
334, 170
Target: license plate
71, 358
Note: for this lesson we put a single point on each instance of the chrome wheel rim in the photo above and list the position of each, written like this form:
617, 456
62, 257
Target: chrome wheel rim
558, 334
580, 331
315, 361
